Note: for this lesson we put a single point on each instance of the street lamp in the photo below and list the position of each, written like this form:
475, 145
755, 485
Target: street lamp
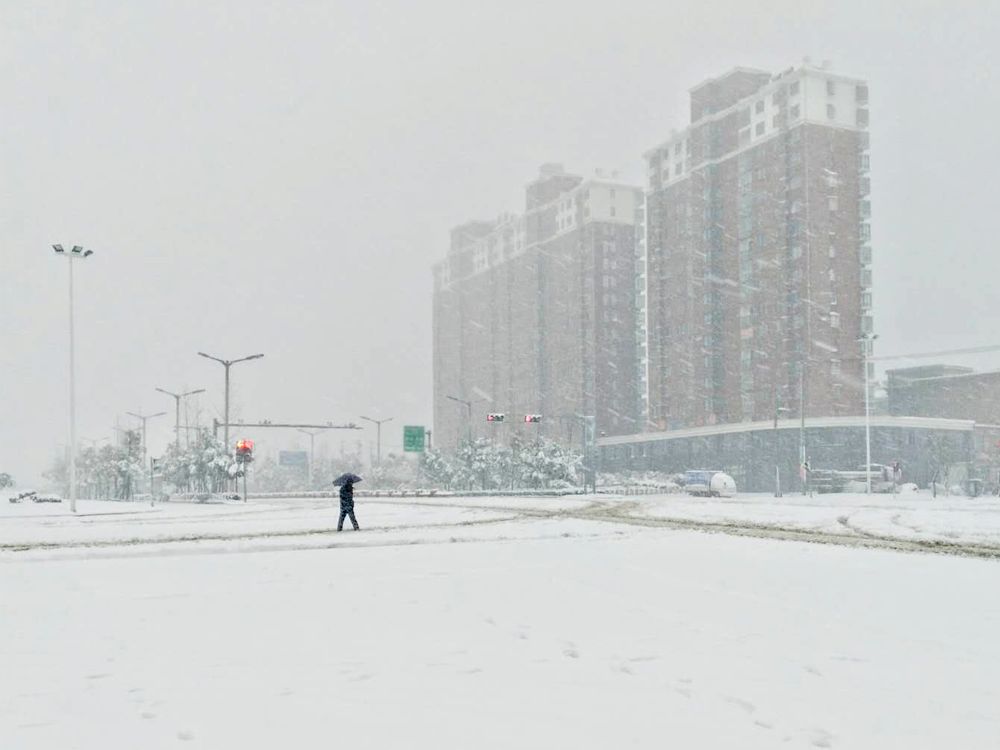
866, 342
468, 405
177, 421
144, 419
227, 363
378, 423
76, 253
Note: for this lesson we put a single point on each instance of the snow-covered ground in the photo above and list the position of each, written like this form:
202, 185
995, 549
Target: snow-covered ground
495, 623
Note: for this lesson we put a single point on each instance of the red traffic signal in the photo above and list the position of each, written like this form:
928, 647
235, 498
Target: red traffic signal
532, 417
494, 417
244, 446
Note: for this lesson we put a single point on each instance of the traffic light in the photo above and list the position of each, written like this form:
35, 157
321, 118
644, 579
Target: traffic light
494, 417
532, 417
244, 451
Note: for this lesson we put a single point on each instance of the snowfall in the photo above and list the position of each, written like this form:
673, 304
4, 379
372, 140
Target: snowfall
660, 621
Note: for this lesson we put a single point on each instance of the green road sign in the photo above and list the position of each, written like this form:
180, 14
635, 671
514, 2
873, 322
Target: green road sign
413, 438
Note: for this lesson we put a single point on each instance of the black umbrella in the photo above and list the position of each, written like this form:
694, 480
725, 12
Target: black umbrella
347, 478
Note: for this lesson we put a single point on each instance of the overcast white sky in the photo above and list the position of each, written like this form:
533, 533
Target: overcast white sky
279, 177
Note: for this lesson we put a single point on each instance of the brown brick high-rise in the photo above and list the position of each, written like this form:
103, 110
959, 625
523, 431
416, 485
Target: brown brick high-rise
757, 252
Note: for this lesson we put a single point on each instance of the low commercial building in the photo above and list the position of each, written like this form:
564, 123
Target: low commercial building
951, 449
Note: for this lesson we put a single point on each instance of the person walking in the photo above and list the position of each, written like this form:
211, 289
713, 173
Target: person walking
346, 482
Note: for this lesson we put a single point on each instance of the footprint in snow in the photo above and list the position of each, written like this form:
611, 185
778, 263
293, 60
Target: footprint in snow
821, 738
745, 705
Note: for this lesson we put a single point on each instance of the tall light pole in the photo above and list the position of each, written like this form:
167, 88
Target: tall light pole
227, 363
866, 342
177, 407
468, 405
378, 423
144, 418
76, 253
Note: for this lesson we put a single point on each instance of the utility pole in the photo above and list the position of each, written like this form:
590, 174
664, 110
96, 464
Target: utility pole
76, 253
227, 363
378, 424
866, 342
177, 418
802, 426
777, 452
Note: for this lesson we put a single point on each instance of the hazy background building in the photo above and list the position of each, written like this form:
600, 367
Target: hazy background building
944, 391
535, 314
758, 255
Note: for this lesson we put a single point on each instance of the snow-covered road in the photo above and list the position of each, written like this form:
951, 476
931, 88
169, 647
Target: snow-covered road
909, 522
494, 623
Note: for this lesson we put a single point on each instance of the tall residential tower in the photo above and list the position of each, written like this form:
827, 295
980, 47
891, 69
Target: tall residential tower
757, 257
535, 314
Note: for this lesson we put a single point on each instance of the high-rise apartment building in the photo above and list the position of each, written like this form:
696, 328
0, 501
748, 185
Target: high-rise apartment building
756, 261
535, 314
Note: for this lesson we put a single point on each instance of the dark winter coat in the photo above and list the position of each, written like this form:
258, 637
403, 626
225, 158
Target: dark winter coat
347, 496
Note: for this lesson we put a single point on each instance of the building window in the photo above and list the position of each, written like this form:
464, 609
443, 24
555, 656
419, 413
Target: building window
612, 193
831, 88
833, 251
759, 130
832, 202
866, 232
862, 118
759, 107
794, 112
831, 112
861, 94
776, 121
793, 90
835, 367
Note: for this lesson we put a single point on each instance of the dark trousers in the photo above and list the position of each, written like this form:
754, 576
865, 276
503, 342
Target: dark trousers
344, 513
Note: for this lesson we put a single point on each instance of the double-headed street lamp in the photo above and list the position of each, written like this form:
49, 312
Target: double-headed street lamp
227, 363
177, 420
76, 253
378, 423
144, 418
